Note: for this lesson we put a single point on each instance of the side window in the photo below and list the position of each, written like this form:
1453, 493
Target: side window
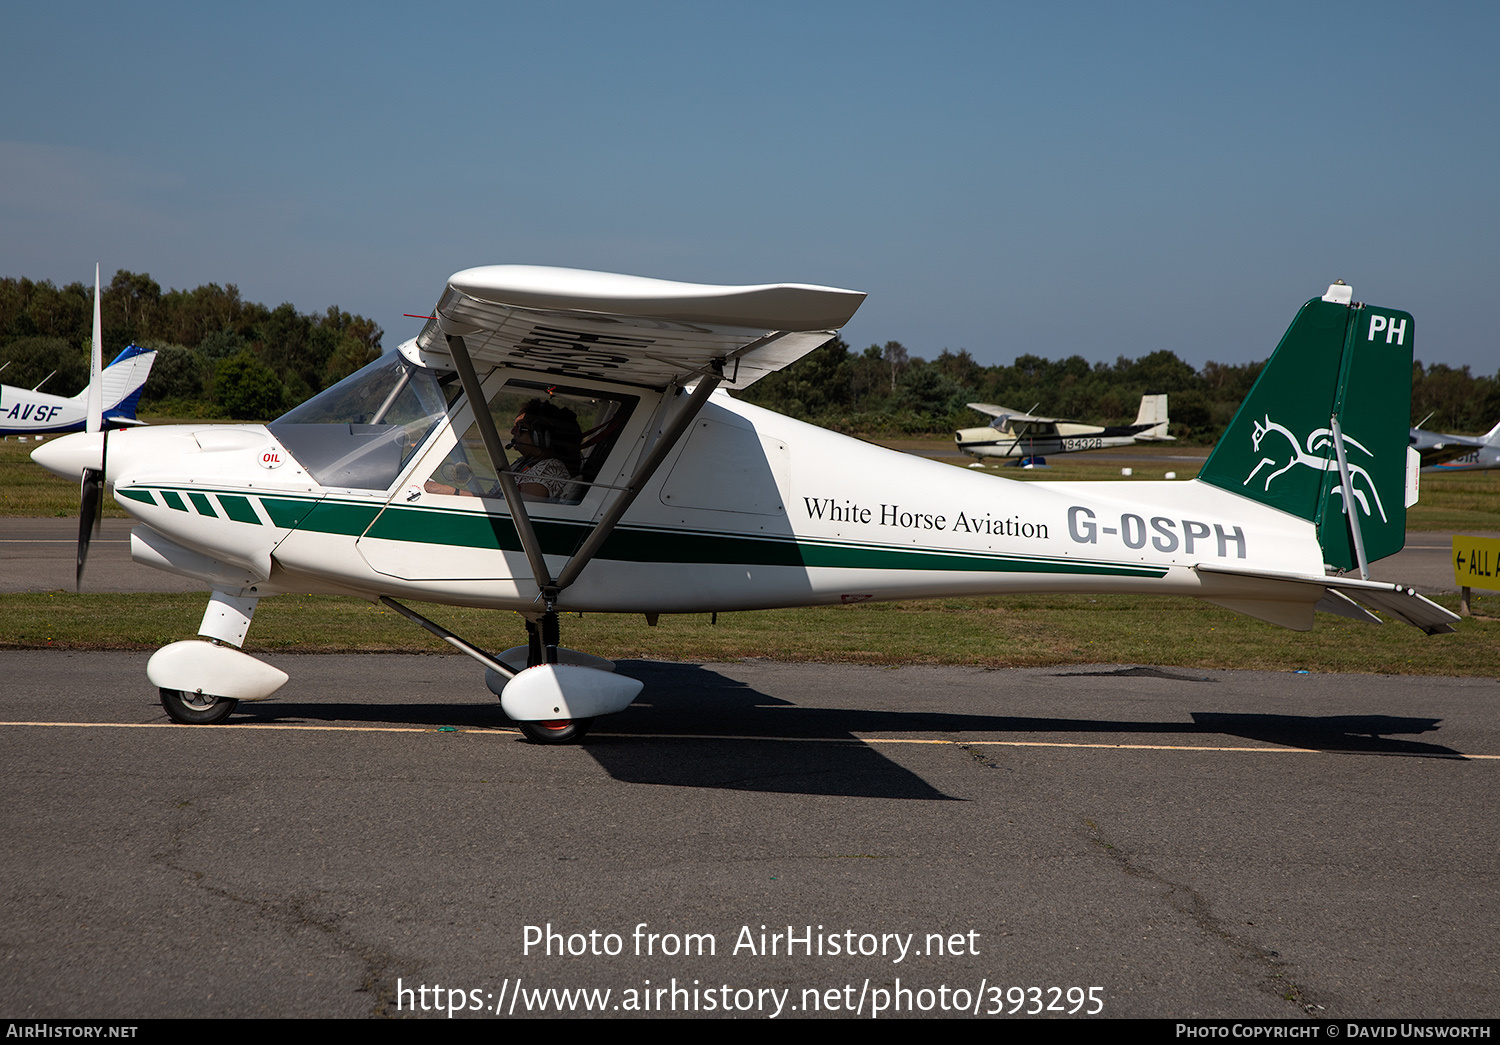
558, 441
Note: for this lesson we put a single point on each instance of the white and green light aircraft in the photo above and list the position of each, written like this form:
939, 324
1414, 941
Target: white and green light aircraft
633, 483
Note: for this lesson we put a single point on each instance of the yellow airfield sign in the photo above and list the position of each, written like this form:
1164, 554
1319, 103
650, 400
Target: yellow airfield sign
1476, 562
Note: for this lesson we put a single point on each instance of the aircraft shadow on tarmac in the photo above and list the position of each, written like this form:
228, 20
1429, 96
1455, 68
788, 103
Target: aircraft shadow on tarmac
695, 727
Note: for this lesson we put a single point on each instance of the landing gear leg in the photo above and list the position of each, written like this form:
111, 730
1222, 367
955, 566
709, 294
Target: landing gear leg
542, 640
541, 648
546, 686
225, 622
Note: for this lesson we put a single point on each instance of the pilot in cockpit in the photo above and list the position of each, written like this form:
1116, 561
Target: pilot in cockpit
549, 443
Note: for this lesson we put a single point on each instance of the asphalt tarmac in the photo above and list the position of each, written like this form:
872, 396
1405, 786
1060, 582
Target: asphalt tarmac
376, 842
42, 555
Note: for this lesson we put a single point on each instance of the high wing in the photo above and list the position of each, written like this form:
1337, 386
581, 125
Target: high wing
1015, 422
1005, 413
631, 329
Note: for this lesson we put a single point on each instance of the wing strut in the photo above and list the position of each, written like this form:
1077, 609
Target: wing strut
493, 663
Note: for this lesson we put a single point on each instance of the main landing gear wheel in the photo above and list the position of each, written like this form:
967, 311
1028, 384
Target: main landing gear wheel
540, 635
196, 709
556, 731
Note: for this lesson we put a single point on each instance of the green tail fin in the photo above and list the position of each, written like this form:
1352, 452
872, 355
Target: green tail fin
1340, 364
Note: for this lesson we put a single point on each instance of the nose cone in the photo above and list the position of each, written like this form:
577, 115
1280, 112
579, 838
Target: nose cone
966, 437
69, 455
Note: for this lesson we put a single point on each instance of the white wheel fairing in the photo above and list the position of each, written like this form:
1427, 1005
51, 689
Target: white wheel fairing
555, 692
197, 667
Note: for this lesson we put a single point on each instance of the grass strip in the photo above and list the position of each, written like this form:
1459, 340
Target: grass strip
996, 631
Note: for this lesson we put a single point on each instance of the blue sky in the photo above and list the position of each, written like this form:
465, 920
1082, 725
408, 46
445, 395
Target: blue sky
1099, 179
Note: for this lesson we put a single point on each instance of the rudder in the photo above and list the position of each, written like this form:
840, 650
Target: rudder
124, 378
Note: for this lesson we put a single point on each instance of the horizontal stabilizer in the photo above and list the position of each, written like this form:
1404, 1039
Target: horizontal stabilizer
1404, 604
1398, 600
1286, 613
1335, 602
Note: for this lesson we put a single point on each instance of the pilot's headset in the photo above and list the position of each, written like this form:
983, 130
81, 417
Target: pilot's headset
543, 433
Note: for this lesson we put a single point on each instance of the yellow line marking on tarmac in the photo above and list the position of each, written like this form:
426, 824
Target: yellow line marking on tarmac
272, 725
509, 732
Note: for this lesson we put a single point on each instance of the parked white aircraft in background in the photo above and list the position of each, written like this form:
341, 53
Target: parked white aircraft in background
640, 487
25, 412
1457, 453
1015, 434
109, 398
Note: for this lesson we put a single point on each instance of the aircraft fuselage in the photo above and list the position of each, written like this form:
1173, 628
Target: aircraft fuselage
25, 413
750, 510
992, 442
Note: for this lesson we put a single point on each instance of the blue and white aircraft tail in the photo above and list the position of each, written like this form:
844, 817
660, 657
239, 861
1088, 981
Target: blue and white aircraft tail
24, 412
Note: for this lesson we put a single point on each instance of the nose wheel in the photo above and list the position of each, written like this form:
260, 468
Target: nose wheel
196, 709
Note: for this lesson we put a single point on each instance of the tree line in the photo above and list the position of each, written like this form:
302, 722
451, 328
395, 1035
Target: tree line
885, 390
222, 356
218, 355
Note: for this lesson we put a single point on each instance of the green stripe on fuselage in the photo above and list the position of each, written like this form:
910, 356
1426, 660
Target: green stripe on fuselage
337, 517
287, 512
239, 508
485, 532
496, 533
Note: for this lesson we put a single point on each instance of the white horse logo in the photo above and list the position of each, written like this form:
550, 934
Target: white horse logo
1319, 440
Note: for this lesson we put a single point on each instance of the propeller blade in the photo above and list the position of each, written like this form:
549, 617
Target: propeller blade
91, 487
91, 505
93, 419
90, 509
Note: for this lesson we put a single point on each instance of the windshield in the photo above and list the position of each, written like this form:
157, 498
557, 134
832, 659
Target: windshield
361, 432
